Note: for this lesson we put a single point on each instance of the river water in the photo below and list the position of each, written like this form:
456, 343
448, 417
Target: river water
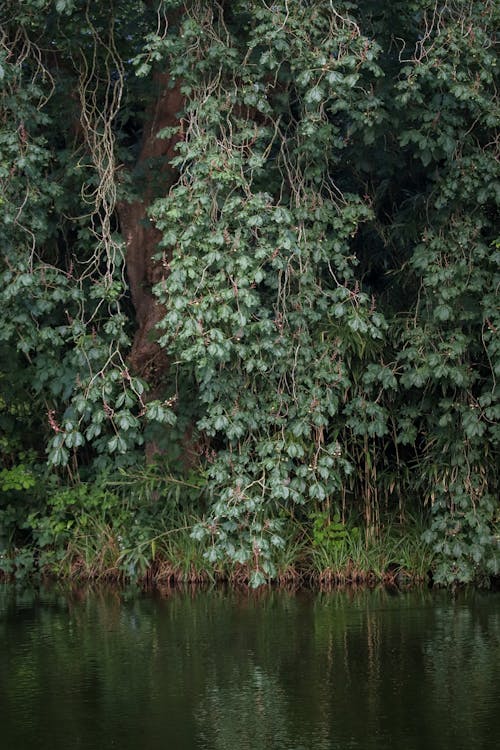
214, 670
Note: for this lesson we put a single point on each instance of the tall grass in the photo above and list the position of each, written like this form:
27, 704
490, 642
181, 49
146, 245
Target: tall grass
118, 537
393, 554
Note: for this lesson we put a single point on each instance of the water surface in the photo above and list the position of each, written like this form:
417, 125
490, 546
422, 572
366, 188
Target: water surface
215, 670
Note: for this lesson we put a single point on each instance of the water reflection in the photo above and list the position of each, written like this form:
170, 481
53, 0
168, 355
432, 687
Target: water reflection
249, 711
351, 669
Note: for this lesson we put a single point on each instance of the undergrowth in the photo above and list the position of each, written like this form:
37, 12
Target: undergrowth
111, 531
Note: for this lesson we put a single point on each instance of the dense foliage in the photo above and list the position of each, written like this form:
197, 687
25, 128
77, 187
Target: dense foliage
256, 244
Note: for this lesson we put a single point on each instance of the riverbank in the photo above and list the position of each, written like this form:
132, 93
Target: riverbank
102, 552
122, 533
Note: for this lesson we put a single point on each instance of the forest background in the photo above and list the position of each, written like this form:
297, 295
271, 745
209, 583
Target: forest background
249, 267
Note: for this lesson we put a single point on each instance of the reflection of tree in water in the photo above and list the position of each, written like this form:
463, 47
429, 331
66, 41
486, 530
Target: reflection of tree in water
346, 670
465, 633
247, 712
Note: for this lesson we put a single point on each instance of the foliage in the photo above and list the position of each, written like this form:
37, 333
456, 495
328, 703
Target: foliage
325, 278
331, 533
63, 278
394, 556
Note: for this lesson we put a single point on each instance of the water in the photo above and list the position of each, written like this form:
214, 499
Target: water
216, 671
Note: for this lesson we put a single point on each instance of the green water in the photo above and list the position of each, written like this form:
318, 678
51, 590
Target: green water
355, 669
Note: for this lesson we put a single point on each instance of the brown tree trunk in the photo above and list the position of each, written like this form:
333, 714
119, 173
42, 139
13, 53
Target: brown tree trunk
146, 358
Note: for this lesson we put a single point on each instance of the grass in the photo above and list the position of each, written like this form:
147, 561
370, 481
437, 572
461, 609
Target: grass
391, 555
166, 556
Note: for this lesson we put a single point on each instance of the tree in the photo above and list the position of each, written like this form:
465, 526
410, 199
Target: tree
262, 243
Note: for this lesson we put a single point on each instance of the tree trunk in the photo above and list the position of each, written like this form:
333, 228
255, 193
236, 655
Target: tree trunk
146, 358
